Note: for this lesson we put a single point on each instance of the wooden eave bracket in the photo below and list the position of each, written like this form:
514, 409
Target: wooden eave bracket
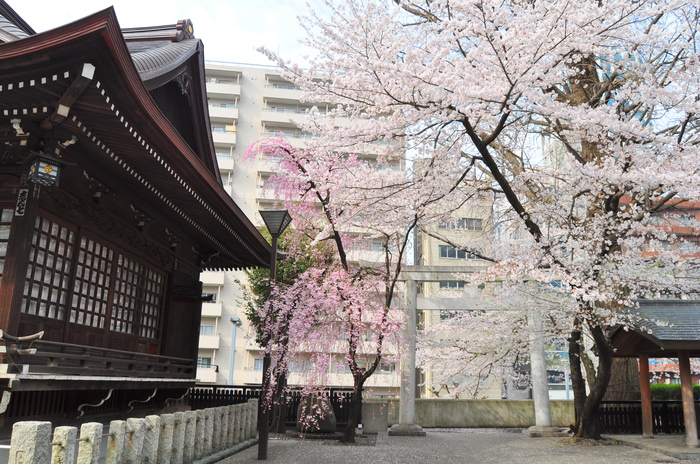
70, 96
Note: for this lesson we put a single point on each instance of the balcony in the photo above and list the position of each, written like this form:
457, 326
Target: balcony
251, 376
218, 112
227, 138
211, 310
206, 374
209, 342
212, 278
284, 92
223, 88
283, 116
225, 164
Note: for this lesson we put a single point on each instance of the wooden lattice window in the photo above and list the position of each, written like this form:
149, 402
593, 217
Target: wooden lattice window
6, 215
93, 271
152, 300
138, 296
47, 285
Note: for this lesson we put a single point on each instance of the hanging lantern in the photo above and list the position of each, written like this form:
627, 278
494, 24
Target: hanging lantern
45, 169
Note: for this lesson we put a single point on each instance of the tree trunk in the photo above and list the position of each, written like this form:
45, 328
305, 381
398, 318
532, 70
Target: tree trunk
587, 422
279, 411
578, 384
355, 410
624, 380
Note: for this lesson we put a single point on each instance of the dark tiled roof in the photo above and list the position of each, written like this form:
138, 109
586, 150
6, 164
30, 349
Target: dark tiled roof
167, 56
12, 26
670, 319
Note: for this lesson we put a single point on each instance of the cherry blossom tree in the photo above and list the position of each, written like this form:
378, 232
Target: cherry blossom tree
582, 117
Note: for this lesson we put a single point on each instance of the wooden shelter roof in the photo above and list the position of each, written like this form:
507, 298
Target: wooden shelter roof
86, 86
664, 328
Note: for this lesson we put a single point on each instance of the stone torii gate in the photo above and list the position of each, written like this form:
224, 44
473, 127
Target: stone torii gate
412, 275
668, 329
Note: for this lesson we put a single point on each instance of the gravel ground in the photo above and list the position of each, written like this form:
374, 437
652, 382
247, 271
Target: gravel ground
451, 446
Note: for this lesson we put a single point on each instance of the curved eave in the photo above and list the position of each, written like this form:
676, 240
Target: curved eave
148, 151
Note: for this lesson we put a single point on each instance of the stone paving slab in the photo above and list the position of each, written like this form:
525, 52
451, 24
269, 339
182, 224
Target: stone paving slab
451, 446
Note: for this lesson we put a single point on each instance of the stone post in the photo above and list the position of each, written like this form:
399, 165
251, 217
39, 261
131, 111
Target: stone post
151, 437
64, 451
90, 441
165, 442
240, 417
190, 436
407, 408
231, 438
30, 443
216, 431
253, 418
540, 380
134, 442
538, 370
208, 432
223, 433
116, 443
178, 438
200, 434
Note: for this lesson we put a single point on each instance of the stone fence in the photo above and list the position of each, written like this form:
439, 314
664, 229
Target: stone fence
179, 438
479, 413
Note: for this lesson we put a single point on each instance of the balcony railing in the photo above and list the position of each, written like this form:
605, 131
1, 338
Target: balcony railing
47, 357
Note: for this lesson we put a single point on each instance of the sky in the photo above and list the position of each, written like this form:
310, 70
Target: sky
230, 29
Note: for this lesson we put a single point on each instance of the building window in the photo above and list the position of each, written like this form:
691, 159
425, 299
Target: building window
463, 224
47, 286
206, 329
209, 297
258, 365
386, 368
203, 363
55, 282
378, 246
452, 285
453, 253
5, 223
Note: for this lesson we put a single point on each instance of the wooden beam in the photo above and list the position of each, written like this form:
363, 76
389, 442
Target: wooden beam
691, 425
647, 419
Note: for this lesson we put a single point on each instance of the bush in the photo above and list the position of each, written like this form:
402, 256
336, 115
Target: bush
662, 391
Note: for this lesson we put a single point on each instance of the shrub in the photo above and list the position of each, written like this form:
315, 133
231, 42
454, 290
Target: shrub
662, 391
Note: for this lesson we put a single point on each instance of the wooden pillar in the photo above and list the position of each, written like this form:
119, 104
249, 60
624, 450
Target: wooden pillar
647, 418
691, 425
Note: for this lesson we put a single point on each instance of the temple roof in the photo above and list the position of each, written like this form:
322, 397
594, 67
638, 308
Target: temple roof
111, 93
664, 327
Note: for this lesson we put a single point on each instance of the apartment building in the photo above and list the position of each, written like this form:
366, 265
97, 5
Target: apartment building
246, 103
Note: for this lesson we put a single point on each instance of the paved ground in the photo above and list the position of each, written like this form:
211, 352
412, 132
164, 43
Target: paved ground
458, 446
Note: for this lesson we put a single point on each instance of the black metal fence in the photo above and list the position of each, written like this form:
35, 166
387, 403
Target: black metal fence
210, 396
624, 417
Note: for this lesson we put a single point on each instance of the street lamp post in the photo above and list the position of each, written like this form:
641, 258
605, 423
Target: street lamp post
276, 222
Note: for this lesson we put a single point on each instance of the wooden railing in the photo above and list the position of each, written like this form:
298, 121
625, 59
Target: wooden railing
625, 417
37, 356
208, 396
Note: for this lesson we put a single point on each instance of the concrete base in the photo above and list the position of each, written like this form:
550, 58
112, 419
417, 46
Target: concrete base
541, 431
406, 430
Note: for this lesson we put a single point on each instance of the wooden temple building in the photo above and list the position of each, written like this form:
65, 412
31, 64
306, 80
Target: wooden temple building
111, 204
666, 329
